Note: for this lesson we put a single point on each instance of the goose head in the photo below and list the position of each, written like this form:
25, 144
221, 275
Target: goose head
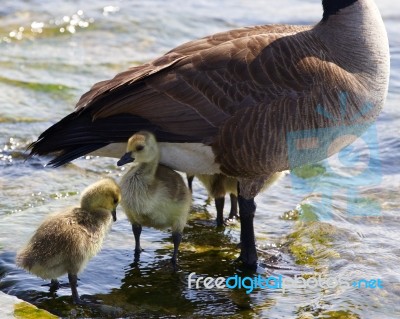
102, 195
142, 148
332, 7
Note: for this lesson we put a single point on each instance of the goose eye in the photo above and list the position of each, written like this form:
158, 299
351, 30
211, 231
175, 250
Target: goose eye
139, 148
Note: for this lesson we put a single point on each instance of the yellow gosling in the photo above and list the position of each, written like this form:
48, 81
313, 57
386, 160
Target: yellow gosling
153, 195
66, 241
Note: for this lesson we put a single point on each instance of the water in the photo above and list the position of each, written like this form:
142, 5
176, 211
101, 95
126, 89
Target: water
51, 54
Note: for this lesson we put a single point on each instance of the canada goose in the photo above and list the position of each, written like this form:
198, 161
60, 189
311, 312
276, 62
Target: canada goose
66, 241
246, 103
153, 195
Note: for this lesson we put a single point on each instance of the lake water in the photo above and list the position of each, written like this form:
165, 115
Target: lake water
335, 219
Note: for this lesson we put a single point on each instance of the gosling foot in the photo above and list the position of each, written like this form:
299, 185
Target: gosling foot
137, 230
174, 264
136, 255
176, 238
233, 214
54, 285
73, 281
230, 220
219, 205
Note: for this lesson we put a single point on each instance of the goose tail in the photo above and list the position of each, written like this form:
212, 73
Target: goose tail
79, 134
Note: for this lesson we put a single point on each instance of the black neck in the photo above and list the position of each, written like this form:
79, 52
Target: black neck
332, 7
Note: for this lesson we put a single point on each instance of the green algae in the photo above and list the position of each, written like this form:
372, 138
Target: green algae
49, 88
18, 119
24, 310
311, 243
308, 213
339, 315
309, 171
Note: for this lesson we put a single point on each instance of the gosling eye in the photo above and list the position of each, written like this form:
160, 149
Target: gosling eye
139, 148
115, 200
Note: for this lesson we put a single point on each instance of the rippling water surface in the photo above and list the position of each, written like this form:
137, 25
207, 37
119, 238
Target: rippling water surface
316, 221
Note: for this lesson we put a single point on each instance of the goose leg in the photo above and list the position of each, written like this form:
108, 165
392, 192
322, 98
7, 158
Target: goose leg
247, 190
73, 281
176, 238
234, 211
248, 254
137, 230
219, 205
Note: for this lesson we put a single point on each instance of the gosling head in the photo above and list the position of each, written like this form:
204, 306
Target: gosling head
104, 194
142, 148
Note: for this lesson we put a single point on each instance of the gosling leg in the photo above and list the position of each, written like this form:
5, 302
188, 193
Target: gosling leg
219, 205
137, 230
176, 239
234, 207
54, 285
73, 281
190, 182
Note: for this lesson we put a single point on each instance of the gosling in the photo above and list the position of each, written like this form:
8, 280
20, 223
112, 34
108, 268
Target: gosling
217, 185
153, 195
66, 241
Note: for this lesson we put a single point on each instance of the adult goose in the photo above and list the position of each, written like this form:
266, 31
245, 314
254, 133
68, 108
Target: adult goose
247, 103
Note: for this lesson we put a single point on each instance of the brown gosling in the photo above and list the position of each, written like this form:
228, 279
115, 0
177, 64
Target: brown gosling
66, 241
217, 185
153, 195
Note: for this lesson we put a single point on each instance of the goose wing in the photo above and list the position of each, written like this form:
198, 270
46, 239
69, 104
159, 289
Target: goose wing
184, 96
